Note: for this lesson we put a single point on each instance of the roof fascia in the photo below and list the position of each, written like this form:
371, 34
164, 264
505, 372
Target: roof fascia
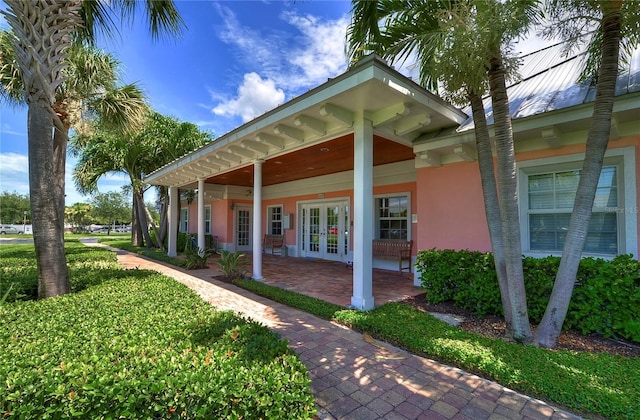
372, 68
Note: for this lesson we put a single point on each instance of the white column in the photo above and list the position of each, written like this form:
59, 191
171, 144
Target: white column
363, 222
201, 242
257, 219
174, 210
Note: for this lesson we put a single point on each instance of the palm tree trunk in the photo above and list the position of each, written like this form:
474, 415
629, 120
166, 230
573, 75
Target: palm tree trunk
136, 231
508, 199
142, 217
60, 141
491, 204
597, 140
48, 226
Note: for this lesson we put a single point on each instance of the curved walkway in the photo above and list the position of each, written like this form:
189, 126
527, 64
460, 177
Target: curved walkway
356, 379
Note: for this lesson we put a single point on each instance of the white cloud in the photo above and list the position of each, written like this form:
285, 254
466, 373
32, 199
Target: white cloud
321, 53
14, 173
254, 96
315, 52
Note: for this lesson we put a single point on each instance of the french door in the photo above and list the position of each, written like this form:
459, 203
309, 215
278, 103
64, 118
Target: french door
243, 233
325, 230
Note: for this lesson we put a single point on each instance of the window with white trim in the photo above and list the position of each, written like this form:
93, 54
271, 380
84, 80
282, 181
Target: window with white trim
274, 220
551, 197
207, 219
184, 219
392, 219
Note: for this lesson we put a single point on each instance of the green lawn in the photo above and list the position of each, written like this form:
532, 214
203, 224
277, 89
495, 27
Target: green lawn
135, 344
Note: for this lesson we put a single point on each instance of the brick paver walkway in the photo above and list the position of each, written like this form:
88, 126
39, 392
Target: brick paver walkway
354, 379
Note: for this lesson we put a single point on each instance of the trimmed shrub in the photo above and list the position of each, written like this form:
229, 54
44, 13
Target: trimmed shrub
141, 348
605, 299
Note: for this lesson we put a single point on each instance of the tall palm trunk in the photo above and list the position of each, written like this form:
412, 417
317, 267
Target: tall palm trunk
43, 35
48, 232
136, 230
491, 204
142, 216
60, 141
597, 140
508, 198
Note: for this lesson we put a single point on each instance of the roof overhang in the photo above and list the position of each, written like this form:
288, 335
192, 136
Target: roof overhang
552, 129
401, 112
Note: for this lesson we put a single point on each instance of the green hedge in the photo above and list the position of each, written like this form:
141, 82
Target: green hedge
144, 346
605, 300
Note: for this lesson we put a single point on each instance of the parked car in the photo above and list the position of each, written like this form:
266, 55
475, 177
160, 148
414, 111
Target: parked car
9, 229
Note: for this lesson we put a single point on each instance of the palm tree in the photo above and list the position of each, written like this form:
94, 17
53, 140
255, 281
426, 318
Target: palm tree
44, 33
616, 21
160, 141
461, 45
438, 56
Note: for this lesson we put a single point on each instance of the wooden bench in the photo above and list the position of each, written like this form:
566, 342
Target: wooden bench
275, 243
399, 249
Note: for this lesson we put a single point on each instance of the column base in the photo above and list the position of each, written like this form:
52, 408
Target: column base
362, 304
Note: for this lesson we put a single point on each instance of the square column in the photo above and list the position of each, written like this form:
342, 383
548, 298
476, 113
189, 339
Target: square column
257, 219
363, 221
174, 200
201, 242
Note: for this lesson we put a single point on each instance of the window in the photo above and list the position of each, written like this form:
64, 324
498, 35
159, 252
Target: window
274, 221
184, 219
547, 189
207, 219
393, 217
550, 203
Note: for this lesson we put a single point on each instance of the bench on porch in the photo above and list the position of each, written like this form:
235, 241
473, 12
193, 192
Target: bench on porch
399, 249
273, 242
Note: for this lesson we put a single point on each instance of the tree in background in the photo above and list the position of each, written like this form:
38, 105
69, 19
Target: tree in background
111, 208
44, 34
161, 140
13, 206
78, 216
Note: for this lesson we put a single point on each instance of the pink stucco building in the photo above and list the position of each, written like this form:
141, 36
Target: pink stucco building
371, 155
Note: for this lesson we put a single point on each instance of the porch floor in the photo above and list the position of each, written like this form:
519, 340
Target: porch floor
331, 281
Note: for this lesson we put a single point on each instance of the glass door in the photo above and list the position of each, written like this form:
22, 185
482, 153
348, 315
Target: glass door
323, 230
243, 229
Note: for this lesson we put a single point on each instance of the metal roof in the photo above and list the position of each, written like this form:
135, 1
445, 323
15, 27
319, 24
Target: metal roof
549, 81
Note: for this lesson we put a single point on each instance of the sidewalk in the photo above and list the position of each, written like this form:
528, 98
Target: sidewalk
357, 379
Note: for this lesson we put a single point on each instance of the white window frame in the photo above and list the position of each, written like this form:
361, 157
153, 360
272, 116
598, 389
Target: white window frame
376, 206
207, 220
624, 159
270, 221
184, 219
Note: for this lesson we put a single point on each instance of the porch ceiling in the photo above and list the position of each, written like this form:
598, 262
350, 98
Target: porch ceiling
312, 135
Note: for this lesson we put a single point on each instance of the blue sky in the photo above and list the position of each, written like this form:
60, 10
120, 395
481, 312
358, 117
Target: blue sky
235, 61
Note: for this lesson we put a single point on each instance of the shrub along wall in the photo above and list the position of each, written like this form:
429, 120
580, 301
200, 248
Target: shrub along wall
606, 298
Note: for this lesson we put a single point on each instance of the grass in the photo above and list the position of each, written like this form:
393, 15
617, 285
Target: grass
135, 344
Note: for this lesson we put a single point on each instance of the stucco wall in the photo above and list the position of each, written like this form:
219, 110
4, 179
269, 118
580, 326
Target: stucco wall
451, 207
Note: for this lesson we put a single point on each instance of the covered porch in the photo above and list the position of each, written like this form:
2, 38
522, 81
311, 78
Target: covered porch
331, 171
330, 280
